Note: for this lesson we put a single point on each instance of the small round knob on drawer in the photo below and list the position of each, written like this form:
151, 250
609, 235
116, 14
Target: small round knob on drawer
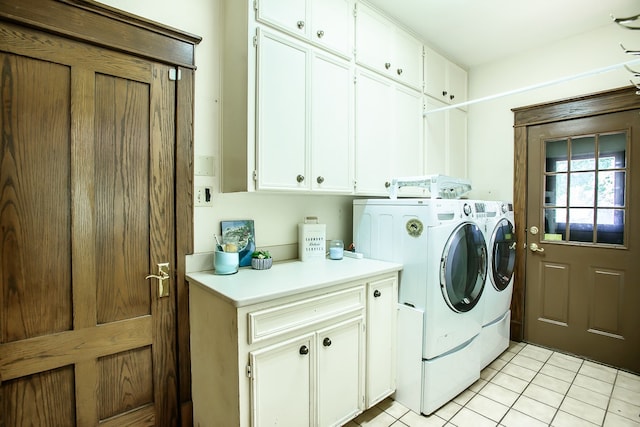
300, 178
320, 34
326, 342
444, 93
320, 179
387, 184
304, 350
387, 65
399, 71
376, 293
300, 24
451, 97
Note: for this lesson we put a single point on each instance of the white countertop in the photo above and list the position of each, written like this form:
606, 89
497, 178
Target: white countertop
249, 286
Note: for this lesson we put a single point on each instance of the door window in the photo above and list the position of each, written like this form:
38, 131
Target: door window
585, 186
463, 267
503, 254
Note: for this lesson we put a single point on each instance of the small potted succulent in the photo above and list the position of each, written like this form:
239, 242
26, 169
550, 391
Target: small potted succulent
261, 260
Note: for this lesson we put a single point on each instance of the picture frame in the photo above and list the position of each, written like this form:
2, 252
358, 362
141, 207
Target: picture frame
242, 234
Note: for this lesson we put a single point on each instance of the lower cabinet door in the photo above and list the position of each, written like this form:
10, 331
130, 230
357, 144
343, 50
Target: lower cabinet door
382, 302
282, 383
340, 372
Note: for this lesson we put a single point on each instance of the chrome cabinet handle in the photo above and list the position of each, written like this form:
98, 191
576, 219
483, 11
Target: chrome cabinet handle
387, 65
304, 350
300, 178
326, 342
399, 71
320, 34
300, 24
163, 274
320, 179
376, 293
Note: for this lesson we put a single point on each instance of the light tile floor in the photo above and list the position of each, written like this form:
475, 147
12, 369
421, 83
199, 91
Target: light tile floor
529, 386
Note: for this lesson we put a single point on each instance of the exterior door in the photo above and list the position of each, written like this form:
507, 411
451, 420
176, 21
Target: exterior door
86, 213
583, 238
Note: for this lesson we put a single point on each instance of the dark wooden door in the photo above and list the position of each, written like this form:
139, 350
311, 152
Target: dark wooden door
86, 213
583, 237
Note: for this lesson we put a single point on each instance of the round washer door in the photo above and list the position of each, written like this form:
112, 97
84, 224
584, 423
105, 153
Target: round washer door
463, 267
503, 254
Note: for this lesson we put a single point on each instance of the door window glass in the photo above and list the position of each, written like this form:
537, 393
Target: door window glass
585, 187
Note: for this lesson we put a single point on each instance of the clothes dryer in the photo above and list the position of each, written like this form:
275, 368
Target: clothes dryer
444, 257
501, 244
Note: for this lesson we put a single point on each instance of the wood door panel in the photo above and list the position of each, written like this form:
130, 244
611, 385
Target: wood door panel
122, 197
125, 381
554, 290
36, 256
43, 399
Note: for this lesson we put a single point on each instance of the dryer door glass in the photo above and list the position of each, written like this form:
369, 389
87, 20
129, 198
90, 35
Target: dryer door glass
503, 254
463, 267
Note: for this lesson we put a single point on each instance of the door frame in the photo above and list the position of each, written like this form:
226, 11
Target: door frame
610, 101
107, 27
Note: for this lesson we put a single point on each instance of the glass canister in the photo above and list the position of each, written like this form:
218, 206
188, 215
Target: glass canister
336, 249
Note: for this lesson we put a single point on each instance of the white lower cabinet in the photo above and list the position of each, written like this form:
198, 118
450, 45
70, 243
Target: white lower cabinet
382, 303
285, 377
312, 359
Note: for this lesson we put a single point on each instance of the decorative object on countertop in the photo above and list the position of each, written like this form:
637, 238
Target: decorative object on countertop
239, 236
261, 260
226, 262
336, 249
311, 239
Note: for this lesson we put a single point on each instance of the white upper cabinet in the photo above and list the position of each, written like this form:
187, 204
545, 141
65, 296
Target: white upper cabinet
325, 23
304, 120
444, 80
385, 48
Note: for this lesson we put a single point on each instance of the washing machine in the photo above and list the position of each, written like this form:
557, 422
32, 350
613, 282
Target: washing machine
444, 257
501, 244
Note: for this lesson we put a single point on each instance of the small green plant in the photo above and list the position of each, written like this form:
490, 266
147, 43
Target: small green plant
261, 254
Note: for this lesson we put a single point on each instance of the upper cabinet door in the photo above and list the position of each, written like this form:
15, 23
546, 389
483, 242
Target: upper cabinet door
288, 15
281, 113
332, 25
373, 40
325, 23
387, 49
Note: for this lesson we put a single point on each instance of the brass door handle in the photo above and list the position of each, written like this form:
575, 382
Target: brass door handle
535, 248
163, 274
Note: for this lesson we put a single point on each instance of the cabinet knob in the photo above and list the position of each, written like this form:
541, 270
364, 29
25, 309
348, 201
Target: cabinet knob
387, 65
444, 93
326, 342
387, 184
451, 97
376, 293
399, 71
320, 179
300, 24
320, 34
300, 178
304, 350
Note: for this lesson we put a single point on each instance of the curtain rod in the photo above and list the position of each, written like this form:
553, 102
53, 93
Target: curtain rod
535, 86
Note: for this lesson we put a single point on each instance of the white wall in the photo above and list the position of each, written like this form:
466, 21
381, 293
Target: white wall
490, 123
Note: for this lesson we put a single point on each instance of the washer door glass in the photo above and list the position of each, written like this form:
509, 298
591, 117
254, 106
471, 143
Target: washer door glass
503, 254
463, 267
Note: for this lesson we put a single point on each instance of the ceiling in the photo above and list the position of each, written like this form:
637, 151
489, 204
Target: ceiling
473, 32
